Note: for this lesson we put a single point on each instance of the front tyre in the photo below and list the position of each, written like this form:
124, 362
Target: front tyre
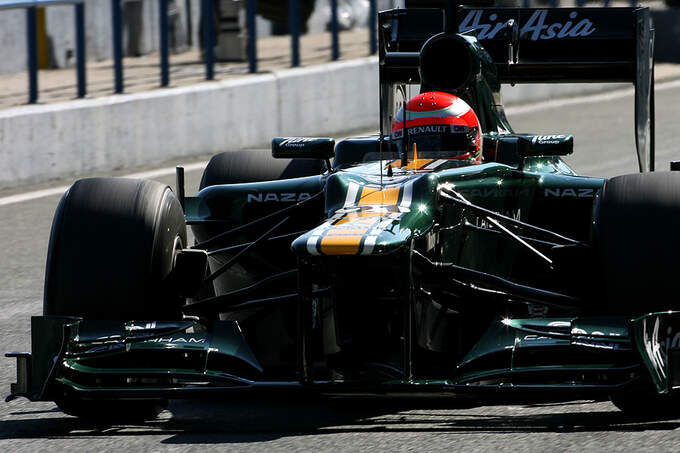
636, 235
111, 256
111, 251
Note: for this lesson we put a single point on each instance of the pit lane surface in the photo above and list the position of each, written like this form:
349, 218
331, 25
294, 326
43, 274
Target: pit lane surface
604, 144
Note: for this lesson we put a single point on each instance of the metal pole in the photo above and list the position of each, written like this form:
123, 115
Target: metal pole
179, 184
190, 26
117, 46
251, 11
372, 27
80, 50
163, 28
334, 30
209, 38
294, 19
32, 48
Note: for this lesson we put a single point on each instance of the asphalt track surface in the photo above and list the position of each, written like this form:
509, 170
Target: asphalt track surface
603, 127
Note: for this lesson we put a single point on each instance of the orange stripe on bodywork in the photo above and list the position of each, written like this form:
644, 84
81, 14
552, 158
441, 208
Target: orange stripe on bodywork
340, 245
417, 164
373, 196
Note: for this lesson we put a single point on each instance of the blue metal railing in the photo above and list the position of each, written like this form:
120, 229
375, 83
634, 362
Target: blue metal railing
208, 15
31, 8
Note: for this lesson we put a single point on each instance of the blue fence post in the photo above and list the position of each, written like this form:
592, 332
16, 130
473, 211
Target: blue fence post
525, 4
163, 28
334, 30
251, 11
372, 27
117, 46
209, 38
294, 19
32, 48
80, 50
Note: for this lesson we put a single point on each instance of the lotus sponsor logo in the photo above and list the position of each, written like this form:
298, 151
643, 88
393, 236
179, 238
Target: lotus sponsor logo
277, 197
569, 193
295, 142
547, 139
536, 27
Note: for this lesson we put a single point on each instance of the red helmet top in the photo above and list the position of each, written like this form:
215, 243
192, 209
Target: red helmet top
441, 125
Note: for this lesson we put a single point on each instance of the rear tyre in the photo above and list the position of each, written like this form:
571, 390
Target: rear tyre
111, 256
254, 166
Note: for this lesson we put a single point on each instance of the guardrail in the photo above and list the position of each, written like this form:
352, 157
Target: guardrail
32, 41
208, 14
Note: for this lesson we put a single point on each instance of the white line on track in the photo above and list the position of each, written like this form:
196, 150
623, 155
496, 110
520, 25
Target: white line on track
521, 109
27, 196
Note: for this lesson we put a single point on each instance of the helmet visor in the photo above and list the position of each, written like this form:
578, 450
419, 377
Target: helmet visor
451, 145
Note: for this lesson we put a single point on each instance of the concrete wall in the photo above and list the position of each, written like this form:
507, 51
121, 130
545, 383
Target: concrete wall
43, 142
13, 41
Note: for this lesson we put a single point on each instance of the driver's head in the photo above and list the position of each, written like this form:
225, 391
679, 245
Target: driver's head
441, 125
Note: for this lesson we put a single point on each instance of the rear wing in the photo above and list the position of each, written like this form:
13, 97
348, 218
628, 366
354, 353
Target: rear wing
555, 45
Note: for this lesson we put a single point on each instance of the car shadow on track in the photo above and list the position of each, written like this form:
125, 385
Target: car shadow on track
250, 421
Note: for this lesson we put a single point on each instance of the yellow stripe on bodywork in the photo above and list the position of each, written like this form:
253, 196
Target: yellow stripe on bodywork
417, 164
340, 245
373, 195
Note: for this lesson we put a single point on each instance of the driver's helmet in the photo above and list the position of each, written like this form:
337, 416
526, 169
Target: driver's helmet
442, 126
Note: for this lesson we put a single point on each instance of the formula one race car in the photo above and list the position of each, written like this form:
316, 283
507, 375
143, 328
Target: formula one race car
447, 254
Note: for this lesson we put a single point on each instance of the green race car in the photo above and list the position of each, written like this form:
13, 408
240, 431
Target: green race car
448, 254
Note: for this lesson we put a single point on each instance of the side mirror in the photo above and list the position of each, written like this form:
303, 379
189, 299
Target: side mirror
545, 145
303, 147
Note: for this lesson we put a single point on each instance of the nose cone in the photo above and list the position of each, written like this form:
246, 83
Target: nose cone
367, 219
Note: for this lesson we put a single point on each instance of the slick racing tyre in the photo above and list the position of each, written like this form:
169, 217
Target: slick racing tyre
112, 249
110, 256
644, 402
637, 240
256, 165
636, 236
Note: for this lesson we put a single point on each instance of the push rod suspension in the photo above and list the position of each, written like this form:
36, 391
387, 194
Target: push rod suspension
456, 198
515, 290
246, 244
236, 257
217, 303
205, 245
